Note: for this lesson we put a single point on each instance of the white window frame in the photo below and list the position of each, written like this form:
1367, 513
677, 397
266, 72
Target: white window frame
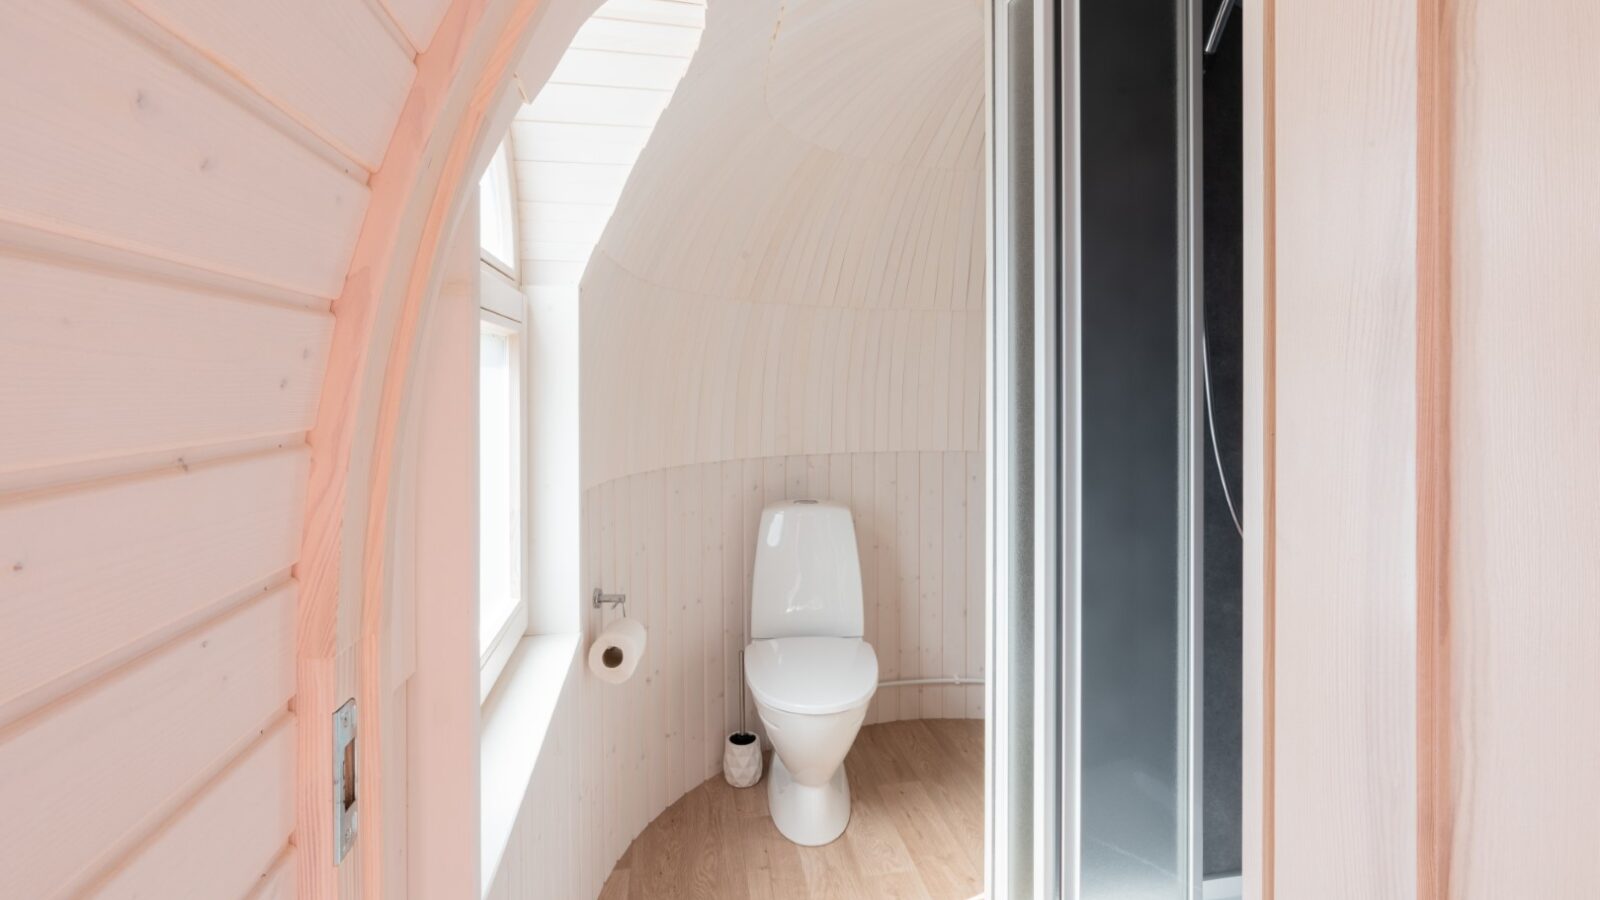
497, 199
501, 308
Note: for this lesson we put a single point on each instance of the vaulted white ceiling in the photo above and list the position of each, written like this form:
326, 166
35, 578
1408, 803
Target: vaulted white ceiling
576, 141
796, 264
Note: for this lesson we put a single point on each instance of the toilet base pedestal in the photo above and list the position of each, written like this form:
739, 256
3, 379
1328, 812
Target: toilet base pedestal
807, 815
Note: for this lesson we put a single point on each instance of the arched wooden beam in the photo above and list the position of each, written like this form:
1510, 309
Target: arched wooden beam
418, 193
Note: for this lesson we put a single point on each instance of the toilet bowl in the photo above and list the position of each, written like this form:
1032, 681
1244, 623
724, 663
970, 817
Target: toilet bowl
811, 694
808, 669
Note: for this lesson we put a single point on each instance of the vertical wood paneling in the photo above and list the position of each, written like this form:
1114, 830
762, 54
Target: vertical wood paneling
869, 538
714, 676
675, 635
977, 610
1435, 113
591, 766
685, 561
610, 810
1524, 568
930, 558
908, 574
546, 854
953, 554
1259, 285
735, 595
749, 524
692, 616
1345, 757
630, 784
885, 504
656, 599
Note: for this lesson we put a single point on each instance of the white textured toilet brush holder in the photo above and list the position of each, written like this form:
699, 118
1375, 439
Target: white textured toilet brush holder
741, 759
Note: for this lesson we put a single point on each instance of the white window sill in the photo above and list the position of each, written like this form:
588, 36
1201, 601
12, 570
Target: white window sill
516, 719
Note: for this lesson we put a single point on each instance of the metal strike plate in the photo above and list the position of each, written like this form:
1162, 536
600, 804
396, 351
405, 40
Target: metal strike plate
344, 780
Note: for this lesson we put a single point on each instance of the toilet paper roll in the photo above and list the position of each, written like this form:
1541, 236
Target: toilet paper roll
617, 651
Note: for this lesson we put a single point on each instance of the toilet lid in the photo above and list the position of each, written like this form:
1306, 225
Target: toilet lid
811, 676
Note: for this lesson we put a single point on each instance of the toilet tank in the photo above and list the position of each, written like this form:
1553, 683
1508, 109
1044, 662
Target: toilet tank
807, 573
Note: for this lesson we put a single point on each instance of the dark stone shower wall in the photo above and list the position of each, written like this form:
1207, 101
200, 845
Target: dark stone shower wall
1223, 193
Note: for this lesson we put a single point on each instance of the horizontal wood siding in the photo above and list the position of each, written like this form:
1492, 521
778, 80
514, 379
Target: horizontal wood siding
278, 882
87, 777
184, 186
95, 363
419, 19
127, 148
228, 839
93, 577
346, 80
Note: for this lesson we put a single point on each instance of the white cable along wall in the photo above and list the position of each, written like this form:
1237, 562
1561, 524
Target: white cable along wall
786, 303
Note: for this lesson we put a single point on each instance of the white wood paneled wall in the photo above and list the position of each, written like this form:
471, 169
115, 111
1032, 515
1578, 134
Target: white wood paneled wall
574, 146
545, 856
787, 302
184, 183
680, 543
669, 381
796, 265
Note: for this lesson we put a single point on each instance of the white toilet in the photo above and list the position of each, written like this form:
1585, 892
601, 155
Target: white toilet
807, 666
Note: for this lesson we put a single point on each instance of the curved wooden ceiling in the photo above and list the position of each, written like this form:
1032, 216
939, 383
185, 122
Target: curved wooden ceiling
576, 141
796, 264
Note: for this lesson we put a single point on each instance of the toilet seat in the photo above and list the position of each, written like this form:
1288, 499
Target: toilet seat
811, 676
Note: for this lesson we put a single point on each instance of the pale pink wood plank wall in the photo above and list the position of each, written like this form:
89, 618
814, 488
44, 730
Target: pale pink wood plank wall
1524, 620
184, 187
1345, 797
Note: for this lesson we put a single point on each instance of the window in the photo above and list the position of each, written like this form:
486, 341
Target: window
502, 607
497, 213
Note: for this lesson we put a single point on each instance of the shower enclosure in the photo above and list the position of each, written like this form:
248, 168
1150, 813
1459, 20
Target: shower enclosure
1100, 463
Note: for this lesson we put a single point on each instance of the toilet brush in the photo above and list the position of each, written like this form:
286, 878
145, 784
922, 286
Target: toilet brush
741, 755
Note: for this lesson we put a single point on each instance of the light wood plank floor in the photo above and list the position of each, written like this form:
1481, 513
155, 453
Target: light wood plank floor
916, 830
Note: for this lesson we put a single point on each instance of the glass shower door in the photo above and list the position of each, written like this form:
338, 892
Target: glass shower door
1138, 455
1096, 449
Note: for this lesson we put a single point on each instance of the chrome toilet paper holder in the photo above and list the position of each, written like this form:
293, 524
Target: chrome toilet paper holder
603, 599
